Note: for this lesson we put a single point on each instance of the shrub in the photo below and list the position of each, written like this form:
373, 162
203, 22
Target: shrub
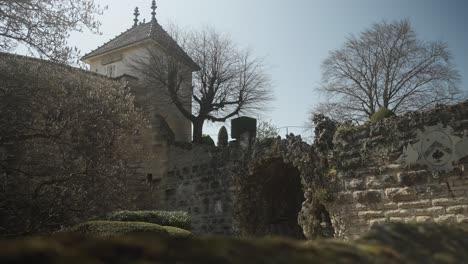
69, 141
165, 218
207, 140
381, 115
223, 137
115, 228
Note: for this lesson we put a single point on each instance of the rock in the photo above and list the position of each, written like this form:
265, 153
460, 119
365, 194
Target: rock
400, 194
368, 197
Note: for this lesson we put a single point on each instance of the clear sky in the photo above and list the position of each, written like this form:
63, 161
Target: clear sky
294, 35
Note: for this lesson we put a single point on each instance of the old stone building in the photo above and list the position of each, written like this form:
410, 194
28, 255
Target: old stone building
119, 59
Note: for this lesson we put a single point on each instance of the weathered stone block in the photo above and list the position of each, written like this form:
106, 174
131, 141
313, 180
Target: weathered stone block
416, 204
370, 214
396, 219
344, 198
397, 213
411, 178
462, 219
436, 190
367, 197
355, 184
400, 194
458, 209
424, 219
446, 219
377, 221
390, 206
450, 201
383, 181
432, 211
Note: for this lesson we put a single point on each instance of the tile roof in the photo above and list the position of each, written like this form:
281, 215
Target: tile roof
150, 30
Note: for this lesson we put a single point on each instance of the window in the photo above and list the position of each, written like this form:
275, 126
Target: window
110, 70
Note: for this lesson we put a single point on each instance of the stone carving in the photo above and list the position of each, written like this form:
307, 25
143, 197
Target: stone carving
437, 148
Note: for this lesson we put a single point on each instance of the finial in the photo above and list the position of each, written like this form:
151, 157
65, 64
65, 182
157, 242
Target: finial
153, 6
136, 14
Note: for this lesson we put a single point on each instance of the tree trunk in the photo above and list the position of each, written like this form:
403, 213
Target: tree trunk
198, 130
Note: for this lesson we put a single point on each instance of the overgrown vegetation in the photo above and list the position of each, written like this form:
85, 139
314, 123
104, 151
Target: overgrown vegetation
165, 218
381, 115
66, 145
207, 140
391, 244
266, 130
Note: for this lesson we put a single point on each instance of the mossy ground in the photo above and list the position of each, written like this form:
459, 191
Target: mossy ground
398, 243
106, 229
165, 218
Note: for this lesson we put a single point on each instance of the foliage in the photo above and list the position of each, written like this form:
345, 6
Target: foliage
266, 130
390, 244
67, 144
387, 66
166, 218
381, 115
229, 81
223, 137
116, 228
44, 26
207, 140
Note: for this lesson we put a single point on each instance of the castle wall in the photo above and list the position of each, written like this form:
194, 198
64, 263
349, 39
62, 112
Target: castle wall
198, 181
391, 171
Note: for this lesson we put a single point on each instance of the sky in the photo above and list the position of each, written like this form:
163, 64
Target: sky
294, 37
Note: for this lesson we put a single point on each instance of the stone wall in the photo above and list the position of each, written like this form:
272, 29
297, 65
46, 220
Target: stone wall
198, 181
410, 168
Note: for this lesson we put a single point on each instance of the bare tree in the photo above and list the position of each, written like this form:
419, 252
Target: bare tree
387, 66
229, 82
44, 26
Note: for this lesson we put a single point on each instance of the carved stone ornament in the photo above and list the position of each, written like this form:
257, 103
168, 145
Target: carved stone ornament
437, 148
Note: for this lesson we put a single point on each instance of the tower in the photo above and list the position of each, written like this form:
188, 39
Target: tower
114, 59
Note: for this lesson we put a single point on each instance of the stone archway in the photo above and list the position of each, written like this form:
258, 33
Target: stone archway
269, 186
280, 198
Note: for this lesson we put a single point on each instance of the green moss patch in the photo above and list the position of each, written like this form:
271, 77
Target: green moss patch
381, 114
108, 229
165, 218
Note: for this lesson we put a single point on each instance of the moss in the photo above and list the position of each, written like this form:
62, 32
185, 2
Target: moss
177, 232
332, 172
108, 229
165, 218
388, 244
381, 114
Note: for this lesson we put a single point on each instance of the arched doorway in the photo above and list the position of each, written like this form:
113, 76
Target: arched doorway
273, 201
